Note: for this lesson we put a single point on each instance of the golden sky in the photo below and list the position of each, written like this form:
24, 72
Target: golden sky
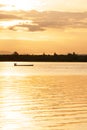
43, 26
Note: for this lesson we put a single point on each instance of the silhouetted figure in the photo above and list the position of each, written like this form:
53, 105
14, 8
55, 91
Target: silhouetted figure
15, 64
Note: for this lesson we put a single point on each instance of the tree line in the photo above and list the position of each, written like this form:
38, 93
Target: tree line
70, 57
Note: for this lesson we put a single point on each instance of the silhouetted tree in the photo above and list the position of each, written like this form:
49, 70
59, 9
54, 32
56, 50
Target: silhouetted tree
55, 54
15, 53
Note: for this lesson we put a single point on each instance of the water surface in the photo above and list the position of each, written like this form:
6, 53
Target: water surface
47, 96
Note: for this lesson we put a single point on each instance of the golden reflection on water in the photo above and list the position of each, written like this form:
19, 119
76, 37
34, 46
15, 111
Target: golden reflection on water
11, 72
43, 103
12, 109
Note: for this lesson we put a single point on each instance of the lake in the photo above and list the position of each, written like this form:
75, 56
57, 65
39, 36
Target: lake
46, 96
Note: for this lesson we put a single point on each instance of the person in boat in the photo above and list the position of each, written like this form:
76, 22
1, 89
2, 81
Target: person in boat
15, 64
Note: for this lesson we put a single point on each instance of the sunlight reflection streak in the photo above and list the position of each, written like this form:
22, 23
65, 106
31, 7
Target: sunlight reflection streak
14, 117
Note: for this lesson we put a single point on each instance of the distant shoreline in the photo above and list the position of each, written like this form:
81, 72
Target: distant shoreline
15, 57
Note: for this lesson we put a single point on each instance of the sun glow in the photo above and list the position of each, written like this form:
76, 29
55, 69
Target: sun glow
27, 5
22, 4
6, 24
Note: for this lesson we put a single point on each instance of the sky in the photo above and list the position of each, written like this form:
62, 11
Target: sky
43, 26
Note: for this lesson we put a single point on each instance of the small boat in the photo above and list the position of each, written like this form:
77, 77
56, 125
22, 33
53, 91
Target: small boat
15, 64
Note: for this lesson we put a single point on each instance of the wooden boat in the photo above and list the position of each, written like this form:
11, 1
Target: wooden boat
15, 64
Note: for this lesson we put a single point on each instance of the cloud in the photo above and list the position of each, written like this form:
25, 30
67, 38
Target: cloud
54, 19
41, 21
2, 5
7, 16
26, 27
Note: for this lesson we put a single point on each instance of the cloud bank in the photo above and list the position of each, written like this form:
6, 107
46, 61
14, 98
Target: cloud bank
41, 21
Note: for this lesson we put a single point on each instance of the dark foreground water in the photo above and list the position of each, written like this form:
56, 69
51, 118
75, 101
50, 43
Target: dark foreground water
47, 96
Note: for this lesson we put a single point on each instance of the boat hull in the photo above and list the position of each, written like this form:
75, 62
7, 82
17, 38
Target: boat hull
23, 65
